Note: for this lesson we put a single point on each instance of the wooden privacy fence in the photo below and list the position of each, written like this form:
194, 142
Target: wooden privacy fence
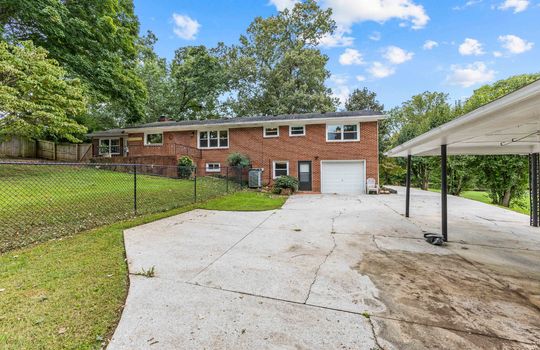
20, 147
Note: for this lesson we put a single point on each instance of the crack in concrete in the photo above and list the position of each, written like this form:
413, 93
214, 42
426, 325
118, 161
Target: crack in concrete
374, 333
326, 257
358, 313
231, 247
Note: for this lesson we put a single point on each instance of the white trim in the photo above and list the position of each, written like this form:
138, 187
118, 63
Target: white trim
212, 170
306, 121
364, 178
297, 126
208, 131
274, 168
153, 133
270, 127
109, 138
342, 127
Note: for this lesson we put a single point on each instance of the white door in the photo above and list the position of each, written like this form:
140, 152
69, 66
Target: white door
343, 177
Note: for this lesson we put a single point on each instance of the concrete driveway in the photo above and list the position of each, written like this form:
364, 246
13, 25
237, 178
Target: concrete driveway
334, 272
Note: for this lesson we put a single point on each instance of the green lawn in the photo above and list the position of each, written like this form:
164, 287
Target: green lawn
39, 202
246, 201
522, 207
68, 293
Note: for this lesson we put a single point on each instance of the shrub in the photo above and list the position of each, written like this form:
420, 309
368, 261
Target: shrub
238, 160
185, 167
284, 182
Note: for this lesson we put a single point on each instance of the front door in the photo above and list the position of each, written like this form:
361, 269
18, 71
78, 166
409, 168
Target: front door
304, 175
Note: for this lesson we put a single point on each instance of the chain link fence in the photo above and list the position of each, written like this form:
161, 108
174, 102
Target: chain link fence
41, 201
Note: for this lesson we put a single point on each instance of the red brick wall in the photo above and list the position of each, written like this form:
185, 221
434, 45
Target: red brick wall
262, 151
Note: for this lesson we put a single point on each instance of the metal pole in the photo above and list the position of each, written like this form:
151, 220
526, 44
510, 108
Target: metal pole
135, 189
534, 179
195, 185
444, 194
408, 186
227, 180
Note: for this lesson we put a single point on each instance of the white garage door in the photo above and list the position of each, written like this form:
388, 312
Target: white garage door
344, 177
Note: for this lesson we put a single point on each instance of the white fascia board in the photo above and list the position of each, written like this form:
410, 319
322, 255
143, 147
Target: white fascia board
358, 119
468, 120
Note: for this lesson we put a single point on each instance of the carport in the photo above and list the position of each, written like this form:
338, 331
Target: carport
509, 125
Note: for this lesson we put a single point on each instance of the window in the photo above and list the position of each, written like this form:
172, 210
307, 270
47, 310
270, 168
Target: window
271, 132
297, 130
109, 146
213, 167
155, 139
343, 132
214, 139
281, 168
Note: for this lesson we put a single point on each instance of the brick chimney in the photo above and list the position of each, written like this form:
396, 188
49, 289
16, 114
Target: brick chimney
164, 118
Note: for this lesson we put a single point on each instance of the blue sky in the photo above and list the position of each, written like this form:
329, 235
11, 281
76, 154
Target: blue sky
396, 48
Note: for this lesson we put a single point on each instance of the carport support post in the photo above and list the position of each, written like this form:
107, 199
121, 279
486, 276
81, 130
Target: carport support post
534, 179
408, 186
444, 190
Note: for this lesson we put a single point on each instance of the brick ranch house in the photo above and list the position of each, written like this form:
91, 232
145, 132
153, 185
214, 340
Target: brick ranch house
328, 152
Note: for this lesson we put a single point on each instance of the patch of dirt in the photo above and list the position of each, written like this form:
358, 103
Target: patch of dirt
448, 292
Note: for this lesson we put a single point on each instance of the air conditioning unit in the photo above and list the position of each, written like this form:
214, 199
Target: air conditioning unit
255, 177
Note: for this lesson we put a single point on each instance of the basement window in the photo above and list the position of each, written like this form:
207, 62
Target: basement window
280, 168
213, 167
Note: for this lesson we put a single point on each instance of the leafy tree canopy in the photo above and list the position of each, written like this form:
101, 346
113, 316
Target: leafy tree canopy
37, 100
277, 67
93, 40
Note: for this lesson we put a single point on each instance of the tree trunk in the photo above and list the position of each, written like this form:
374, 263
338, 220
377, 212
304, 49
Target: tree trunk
506, 198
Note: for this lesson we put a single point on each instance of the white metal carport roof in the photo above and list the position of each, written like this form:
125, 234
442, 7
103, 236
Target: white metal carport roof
508, 125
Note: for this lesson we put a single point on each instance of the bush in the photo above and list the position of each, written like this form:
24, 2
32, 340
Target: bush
284, 182
238, 160
185, 167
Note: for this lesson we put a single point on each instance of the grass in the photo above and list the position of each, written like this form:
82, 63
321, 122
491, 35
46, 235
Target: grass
523, 205
68, 293
246, 201
39, 202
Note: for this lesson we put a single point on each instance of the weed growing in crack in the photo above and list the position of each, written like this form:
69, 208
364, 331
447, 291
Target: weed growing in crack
147, 273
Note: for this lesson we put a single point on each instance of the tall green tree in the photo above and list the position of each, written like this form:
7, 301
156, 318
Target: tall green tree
92, 40
37, 100
155, 74
198, 78
277, 67
505, 177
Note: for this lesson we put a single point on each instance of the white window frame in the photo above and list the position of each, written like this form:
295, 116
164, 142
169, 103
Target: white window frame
216, 170
297, 126
153, 144
274, 168
218, 138
109, 152
342, 128
265, 135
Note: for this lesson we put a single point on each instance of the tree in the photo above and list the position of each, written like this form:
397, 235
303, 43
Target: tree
505, 177
37, 100
154, 72
93, 40
198, 79
277, 67
363, 99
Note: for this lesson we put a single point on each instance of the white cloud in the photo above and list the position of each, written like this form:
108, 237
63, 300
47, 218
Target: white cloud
360, 78
375, 36
348, 12
497, 54
517, 5
341, 89
350, 57
430, 44
471, 47
467, 4
397, 55
283, 4
379, 70
514, 44
185, 27
338, 39
469, 75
